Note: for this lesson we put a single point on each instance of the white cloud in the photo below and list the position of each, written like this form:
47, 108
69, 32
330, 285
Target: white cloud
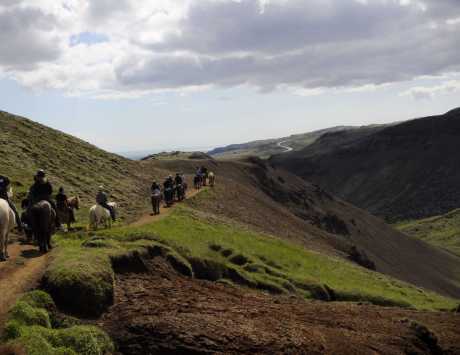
428, 92
309, 46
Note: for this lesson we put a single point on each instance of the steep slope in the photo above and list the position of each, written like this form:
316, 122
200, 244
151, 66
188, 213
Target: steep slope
406, 171
276, 202
268, 147
26, 146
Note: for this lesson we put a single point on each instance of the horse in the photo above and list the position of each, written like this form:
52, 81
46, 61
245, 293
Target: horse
180, 192
156, 200
7, 223
42, 218
212, 179
197, 181
169, 196
66, 213
99, 215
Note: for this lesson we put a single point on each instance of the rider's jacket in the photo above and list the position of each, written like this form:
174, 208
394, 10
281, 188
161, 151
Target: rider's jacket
61, 201
168, 184
4, 184
179, 180
40, 191
101, 198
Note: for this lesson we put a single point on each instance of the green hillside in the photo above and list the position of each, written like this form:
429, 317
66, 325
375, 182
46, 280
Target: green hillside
80, 167
442, 231
218, 249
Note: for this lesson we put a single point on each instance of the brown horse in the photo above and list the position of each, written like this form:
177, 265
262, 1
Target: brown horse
66, 213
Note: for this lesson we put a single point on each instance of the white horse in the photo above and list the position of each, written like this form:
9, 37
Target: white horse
7, 223
99, 215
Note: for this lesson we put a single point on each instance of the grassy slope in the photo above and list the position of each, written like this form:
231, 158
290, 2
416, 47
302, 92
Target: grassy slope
441, 231
78, 166
271, 261
35, 326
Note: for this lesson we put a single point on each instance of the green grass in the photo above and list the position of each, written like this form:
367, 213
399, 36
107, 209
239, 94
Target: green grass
72, 163
34, 325
274, 264
80, 276
441, 231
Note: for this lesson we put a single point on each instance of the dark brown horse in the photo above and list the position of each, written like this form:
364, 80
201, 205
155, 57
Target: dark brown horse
42, 219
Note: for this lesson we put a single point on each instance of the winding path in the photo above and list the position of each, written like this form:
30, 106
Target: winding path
21, 273
164, 211
285, 147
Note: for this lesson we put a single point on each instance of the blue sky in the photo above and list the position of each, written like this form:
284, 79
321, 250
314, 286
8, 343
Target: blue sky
198, 74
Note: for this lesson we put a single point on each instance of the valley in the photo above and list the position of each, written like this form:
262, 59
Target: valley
263, 242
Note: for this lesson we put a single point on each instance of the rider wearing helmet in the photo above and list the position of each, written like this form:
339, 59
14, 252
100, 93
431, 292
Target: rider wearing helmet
42, 190
4, 187
102, 200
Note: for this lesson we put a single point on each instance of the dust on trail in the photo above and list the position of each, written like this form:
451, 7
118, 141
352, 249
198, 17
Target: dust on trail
164, 211
22, 272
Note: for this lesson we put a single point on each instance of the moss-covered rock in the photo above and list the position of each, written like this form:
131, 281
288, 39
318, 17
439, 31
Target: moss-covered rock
83, 285
26, 314
29, 328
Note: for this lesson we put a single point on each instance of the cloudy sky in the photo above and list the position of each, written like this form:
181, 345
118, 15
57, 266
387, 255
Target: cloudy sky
165, 74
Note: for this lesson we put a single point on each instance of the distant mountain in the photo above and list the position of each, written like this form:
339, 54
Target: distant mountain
268, 147
409, 170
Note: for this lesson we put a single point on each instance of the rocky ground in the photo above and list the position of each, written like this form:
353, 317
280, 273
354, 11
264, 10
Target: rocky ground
161, 312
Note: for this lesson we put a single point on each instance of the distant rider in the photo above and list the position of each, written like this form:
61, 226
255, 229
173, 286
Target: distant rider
63, 204
103, 200
169, 189
155, 191
169, 183
179, 180
42, 190
4, 188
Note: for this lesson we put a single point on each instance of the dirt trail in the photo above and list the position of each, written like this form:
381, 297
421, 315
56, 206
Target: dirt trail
164, 211
20, 273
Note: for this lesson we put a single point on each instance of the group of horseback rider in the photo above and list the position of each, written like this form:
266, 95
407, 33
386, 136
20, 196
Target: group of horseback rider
42, 190
176, 188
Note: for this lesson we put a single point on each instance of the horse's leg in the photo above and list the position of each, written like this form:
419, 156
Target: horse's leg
48, 241
2, 246
6, 243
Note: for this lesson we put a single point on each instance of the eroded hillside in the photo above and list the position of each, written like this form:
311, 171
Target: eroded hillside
406, 171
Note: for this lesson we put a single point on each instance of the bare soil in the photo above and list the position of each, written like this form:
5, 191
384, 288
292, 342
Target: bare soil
21, 273
161, 312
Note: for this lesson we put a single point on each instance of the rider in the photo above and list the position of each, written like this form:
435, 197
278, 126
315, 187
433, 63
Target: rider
155, 186
102, 200
4, 187
63, 205
204, 174
169, 188
42, 190
155, 192
169, 183
179, 180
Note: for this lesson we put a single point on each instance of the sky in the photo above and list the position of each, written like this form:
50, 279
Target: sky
132, 75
